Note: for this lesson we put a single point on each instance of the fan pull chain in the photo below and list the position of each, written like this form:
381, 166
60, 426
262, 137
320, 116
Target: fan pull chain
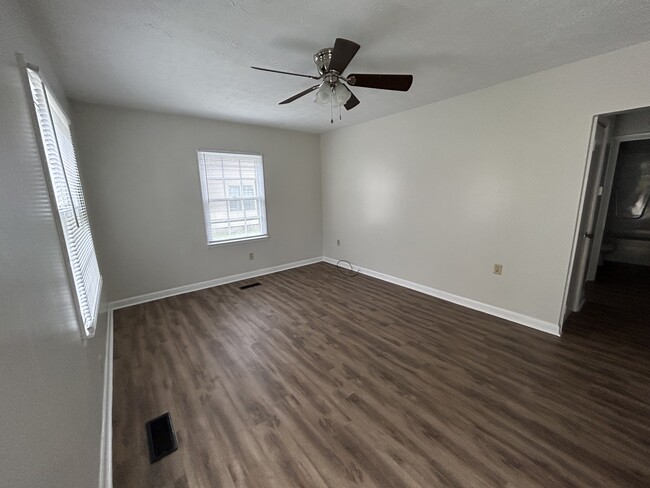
332, 106
340, 113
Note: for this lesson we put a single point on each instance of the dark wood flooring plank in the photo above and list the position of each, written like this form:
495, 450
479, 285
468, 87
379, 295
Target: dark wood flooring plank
315, 379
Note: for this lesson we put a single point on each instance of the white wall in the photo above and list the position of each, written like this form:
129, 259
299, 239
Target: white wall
438, 194
144, 199
50, 381
635, 122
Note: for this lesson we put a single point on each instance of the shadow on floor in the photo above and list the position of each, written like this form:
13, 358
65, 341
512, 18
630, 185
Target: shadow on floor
617, 307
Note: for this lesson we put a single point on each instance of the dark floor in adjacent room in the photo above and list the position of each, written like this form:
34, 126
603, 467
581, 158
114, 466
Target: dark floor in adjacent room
315, 379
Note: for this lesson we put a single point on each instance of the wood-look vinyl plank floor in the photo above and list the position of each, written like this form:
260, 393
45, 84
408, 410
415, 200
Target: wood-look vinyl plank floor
315, 379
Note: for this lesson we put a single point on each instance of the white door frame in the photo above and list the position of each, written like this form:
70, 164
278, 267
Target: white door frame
575, 277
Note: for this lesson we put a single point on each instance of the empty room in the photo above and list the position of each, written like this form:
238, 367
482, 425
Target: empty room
278, 244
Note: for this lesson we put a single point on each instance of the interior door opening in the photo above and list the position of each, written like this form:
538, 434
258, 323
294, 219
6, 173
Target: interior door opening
612, 246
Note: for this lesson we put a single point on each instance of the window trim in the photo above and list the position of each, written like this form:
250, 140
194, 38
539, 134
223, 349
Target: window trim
87, 330
204, 190
239, 239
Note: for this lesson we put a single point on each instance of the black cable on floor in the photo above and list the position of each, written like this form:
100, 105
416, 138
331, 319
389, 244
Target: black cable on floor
350, 272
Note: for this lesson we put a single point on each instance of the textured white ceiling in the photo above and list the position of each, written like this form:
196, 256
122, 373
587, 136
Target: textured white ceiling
194, 56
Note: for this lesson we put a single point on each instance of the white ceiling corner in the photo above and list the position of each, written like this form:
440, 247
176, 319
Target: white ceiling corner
194, 56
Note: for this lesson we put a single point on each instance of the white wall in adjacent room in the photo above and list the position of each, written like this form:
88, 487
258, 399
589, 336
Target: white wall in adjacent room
50, 380
634, 122
439, 194
144, 197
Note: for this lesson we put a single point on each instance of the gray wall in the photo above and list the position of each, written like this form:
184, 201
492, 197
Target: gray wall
141, 177
633, 122
438, 194
50, 381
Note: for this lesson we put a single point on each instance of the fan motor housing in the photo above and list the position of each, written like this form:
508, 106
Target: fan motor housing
322, 59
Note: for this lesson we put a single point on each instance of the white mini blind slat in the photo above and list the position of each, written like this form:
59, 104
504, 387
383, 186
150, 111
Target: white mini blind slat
56, 136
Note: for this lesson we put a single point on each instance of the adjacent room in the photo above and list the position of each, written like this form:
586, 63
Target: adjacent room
324, 244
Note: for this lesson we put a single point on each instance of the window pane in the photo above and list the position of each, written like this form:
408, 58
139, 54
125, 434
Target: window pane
248, 170
219, 233
231, 169
218, 210
216, 189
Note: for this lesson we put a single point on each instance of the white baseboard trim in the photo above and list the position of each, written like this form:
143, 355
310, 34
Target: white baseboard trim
503, 313
106, 450
548, 327
150, 297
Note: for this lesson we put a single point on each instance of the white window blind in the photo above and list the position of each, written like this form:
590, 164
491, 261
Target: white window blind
65, 185
232, 186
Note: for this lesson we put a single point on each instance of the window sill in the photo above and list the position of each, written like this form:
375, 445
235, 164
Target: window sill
236, 241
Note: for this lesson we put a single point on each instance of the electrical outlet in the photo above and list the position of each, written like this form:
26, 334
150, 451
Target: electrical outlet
498, 269
338, 242
251, 255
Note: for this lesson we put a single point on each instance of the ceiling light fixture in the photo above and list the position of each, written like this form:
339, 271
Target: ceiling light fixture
334, 94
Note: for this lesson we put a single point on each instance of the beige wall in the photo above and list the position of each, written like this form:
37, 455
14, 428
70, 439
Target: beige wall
438, 194
141, 178
50, 380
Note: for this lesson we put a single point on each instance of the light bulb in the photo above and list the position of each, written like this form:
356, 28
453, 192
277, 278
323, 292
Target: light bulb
342, 94
323, 95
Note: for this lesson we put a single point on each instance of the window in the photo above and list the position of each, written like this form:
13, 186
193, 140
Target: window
234, 192
249, 191
67, 199
233, 196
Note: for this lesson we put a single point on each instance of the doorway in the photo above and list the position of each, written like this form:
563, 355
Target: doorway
612, 250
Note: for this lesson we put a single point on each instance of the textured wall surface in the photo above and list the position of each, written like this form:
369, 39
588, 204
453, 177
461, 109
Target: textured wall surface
50, 380
144, 199
439, 194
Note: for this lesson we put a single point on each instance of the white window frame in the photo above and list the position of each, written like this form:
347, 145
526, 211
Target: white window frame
66, 196
242, 200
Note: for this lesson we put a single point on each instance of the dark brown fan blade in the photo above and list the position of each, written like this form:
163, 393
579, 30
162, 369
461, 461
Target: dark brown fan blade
286, 73
353, 102
342, 54
301, 94
382, 82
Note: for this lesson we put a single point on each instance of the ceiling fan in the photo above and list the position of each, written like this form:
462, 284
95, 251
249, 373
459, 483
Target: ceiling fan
332, 90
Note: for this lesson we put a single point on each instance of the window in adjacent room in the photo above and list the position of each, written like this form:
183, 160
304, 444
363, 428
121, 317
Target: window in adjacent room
249, 191
234, 202
232, 185
67, 199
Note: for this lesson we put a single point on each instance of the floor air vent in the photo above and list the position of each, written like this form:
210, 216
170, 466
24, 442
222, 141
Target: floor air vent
252, 285
161, 437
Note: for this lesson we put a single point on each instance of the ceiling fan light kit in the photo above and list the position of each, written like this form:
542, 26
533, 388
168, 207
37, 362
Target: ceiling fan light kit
335, 94
332, 90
